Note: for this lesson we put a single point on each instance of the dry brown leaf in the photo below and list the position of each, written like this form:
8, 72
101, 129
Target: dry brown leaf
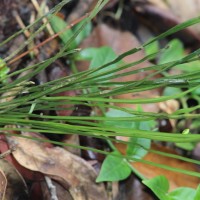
86, 6
160, 20
71, 171
176, 179
185, 10
182, 9
121, 42
159, 3
72, 140
16, 187
169, 107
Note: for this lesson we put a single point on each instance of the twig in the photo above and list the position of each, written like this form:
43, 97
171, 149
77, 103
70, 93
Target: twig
51, 187
9, 151
39, 10
21, 23
48, 39
26, 32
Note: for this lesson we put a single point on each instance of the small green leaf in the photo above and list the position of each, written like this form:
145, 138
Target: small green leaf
86, 54
160, 186
197, 195
170, 91
197, 91
119, 113
84, 33
189, 146
144, 125
190, 66
138, 147
183, 193
99, 57
102, 56
174, 52
3, 70
147, 125
152, 48
114, 168
58, 25
186, 131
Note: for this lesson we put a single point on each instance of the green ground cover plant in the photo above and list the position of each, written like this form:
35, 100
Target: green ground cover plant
98, 87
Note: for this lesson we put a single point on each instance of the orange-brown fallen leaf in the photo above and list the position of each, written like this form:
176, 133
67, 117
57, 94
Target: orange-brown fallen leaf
175, 179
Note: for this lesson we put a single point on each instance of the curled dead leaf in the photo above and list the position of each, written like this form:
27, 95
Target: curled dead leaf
71, 171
